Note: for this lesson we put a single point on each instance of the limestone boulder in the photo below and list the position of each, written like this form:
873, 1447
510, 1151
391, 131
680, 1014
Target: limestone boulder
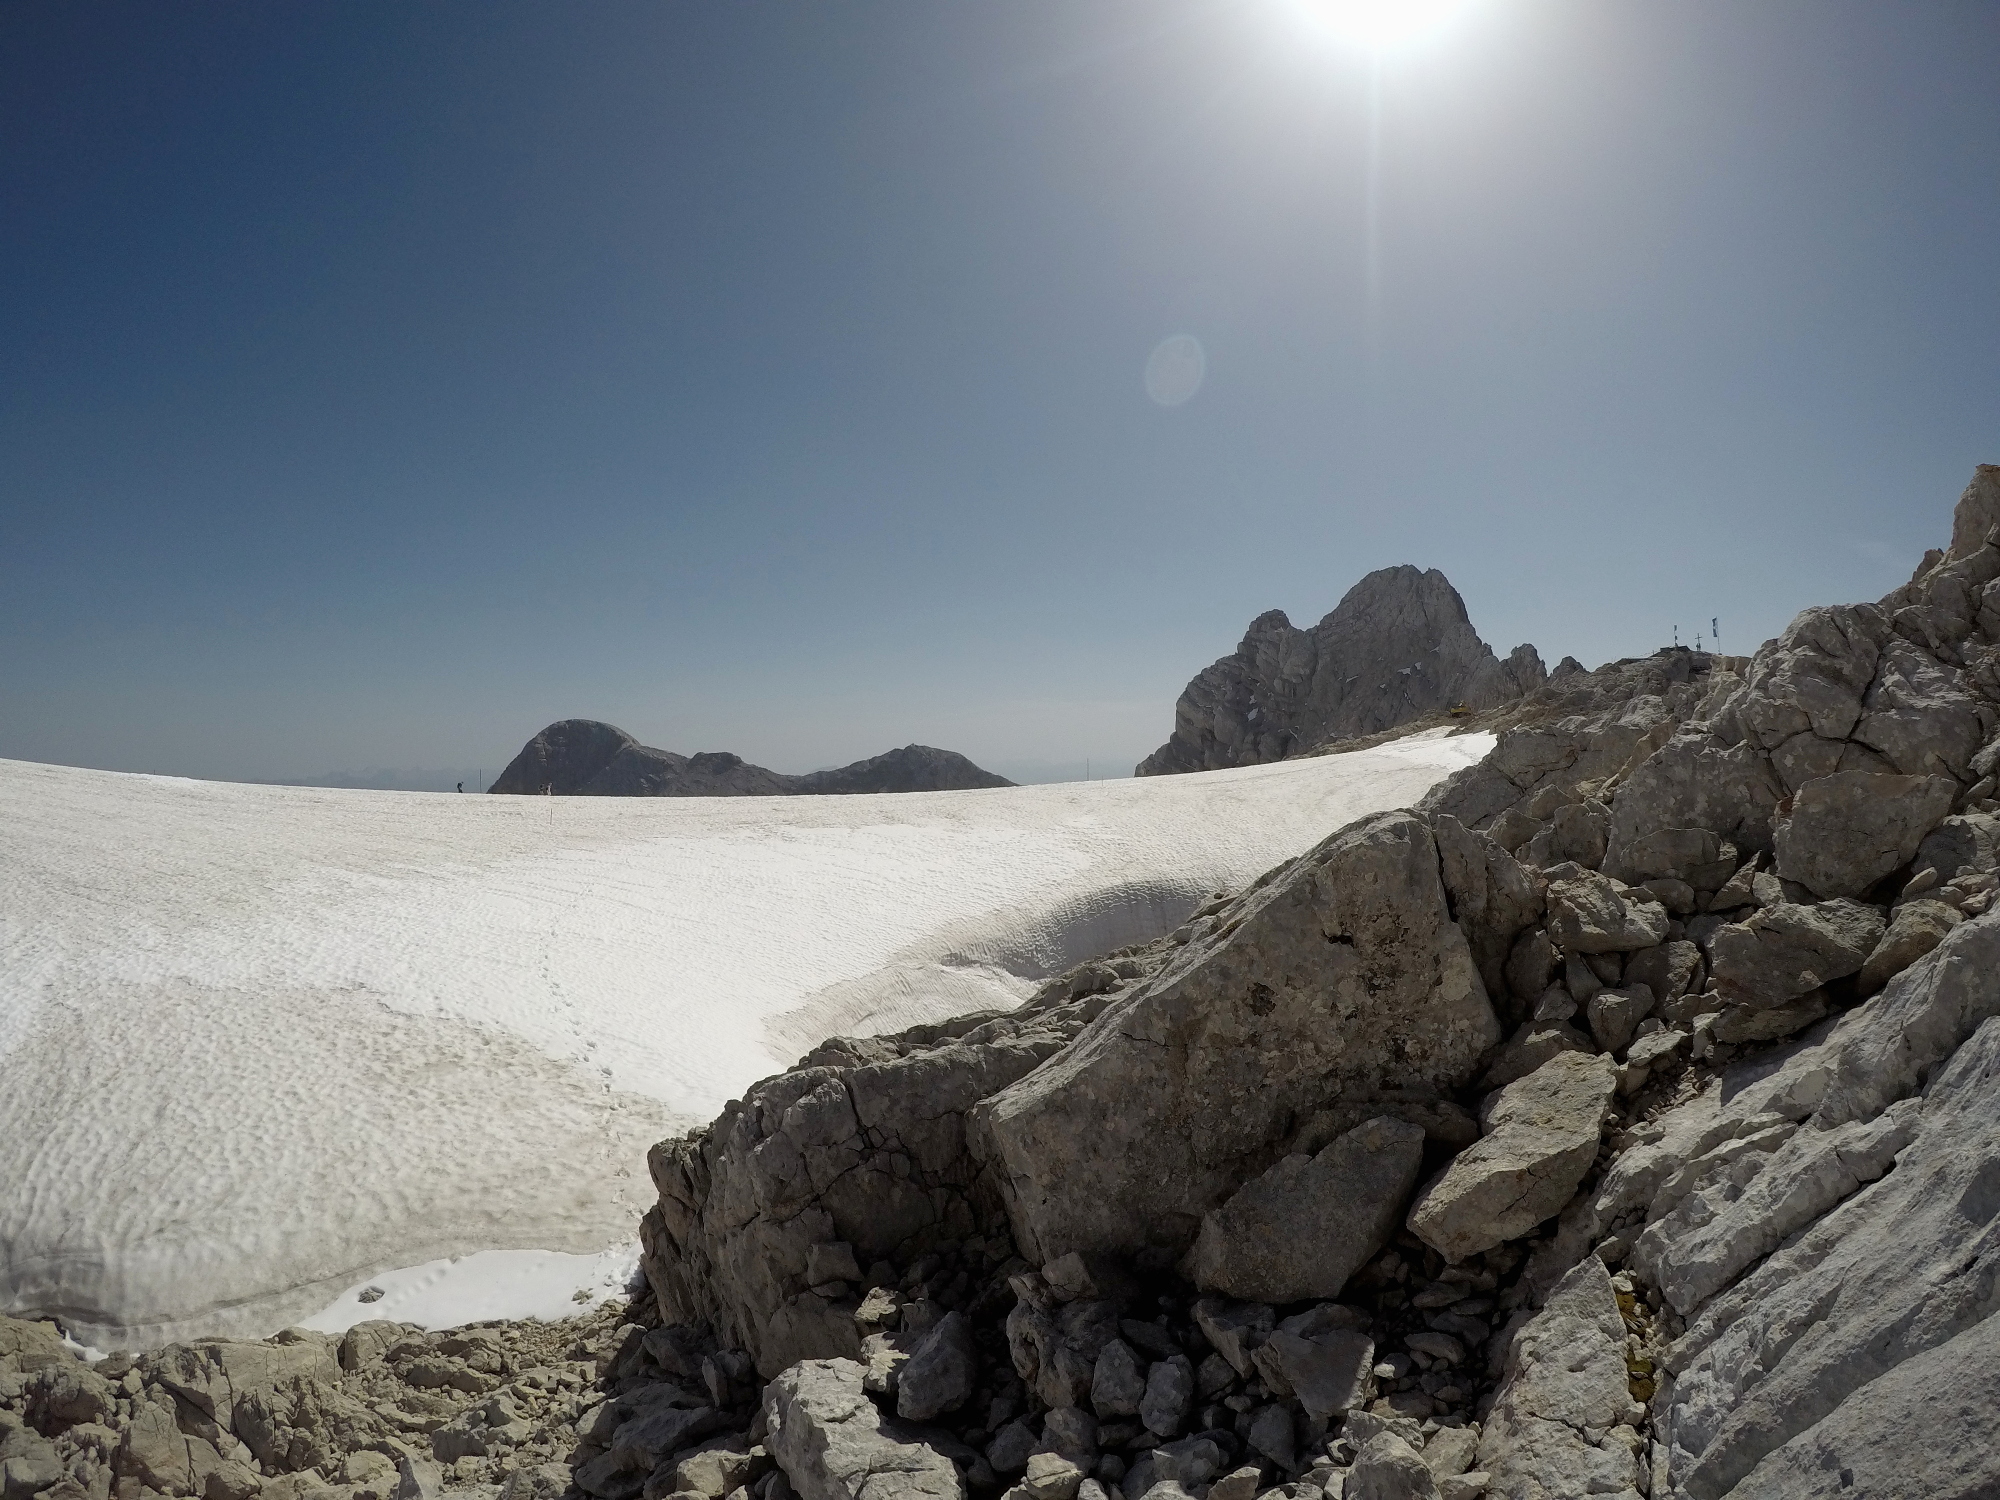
1541, 1137
1591, 913
1698, 779
1782, 952
1303, 1227
833, 1444
1340, 974
1848, 830
1387, 1468
941, 1372
863, 1145
1493, 897
1915, 927
1615, 1015
1669, 971
1324, 1358
1918, 715
1967, 844
1814, 676
1563, 1420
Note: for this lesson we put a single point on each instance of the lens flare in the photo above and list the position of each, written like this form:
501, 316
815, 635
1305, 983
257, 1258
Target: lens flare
1382, 25
1175, 369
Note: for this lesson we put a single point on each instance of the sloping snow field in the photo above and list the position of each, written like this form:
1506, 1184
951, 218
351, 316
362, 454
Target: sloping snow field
260, 1044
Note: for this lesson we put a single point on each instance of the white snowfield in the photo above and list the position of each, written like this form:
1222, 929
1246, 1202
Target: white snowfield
260, 1044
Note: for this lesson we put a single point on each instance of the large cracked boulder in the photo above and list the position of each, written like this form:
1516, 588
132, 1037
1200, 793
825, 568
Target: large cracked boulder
833, 1444
1564, 1422
1339, 976
863, 1147
1592, 913
1846, 831
1541, 1138
1782, 952
1310, 1222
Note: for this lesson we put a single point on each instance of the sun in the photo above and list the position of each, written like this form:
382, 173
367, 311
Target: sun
1382, 25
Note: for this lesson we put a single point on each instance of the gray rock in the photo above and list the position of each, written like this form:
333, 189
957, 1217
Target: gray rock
1528, 1048
1271, 1435
1555, 1427
1387, 1468
1072, 1432
1328, 1369
1050, 1476
1615, 1015
1846, 831
1736, 1024
1795, 1309
1396, 648
1918, 715
941, 1372
1235, 1330
1915, 927
1693, 855
1492, 896
1555, 1004
1009, 1451
833, 1444
1670, 971
864, 1143
1591, 913
1118, 1382
1781, 952
1531, 965
1307, 1224
1169, 1395
1450, 1451
1541, 1138
1337, 972
1968, 843
1580, 980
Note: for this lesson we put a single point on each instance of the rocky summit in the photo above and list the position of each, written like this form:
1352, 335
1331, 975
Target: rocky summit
585, 758
1623, 1120
1398, 647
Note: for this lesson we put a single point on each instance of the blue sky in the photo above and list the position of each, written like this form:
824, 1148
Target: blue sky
385, 381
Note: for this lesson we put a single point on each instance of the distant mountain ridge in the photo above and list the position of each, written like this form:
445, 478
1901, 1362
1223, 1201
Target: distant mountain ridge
1398, 646
587, 758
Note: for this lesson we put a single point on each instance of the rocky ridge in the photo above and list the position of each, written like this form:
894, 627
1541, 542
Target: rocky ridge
585, 758
1624, 1120
1399, 646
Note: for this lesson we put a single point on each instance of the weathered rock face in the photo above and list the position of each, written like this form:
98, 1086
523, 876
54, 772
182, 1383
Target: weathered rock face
584, 758
1784, 951
1846, 831
1397, 647
1310, 1222
1804, 1324
1541, 1135
834, 1445
1340, 976
1564, 1422
863, 1146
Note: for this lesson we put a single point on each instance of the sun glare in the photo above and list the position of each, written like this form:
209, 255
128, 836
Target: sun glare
1382, 25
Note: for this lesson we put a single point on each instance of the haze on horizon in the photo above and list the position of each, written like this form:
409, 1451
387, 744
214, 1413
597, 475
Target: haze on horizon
384, 382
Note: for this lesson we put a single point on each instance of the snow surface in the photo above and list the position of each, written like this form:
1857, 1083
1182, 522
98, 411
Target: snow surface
262, 1045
